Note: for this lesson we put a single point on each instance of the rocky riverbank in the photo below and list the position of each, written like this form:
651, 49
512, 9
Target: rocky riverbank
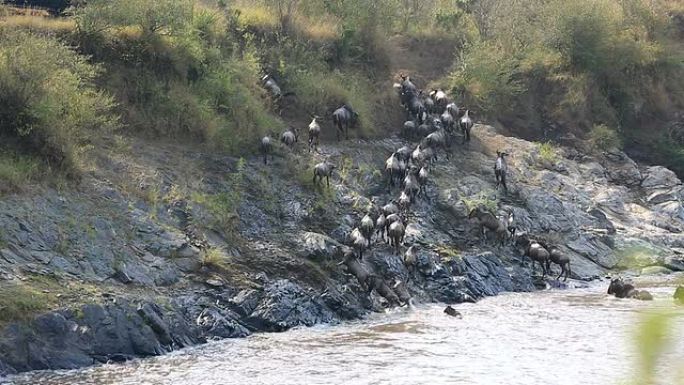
162, 247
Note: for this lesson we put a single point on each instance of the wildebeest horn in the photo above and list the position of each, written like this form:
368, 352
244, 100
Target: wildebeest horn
340, 263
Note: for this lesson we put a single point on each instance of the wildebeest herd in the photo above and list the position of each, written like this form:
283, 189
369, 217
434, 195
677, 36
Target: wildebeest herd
432, 121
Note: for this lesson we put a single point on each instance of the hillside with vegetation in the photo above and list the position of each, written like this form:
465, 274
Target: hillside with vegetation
135, 204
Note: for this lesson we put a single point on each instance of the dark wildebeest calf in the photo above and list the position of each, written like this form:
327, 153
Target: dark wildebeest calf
535, 251
626, 290
500, 170
489, 222
344, 117
557, 256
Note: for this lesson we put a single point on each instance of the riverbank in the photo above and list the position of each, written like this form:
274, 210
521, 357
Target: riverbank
516, 335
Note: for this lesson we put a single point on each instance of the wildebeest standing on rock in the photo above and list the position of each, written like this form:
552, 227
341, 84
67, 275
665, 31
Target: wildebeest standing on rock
557, 256
488, 222
344, 117
396, 233
626, 290
323, 169
314, 133
535, 251
500, 170
367, 228
466, 124
411, 258
358, 241
266, 148
356, 269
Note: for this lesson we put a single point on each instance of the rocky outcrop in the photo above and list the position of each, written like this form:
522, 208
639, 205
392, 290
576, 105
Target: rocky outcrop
256, 249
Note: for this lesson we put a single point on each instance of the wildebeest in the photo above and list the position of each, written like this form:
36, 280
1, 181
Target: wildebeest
404, 153
535, 251
440, 98
394, 168
407, 85
626, 290
390, 208
358, 241
447, 121
450, 311
411, 258
510, 225
402, 292
466, 124
380, 224
423, 175
396, 233
355, 268
323, 169
409, 129
270, 84
367, 227
438, 139
266, 148
384, 290
344, 117
290, 137
411, 185
314, 133
488, 222
501, 169
404, 202
557, 256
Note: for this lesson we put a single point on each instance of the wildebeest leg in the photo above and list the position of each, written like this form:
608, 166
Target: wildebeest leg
314, 179
561, 272
522, 261
503, 182
346, 131
327, 179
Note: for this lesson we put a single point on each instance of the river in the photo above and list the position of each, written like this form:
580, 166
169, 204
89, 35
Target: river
559, 337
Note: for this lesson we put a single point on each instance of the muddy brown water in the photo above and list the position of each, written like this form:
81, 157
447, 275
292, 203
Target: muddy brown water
578, 336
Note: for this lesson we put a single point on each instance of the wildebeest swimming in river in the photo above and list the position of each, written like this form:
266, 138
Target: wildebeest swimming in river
626, 290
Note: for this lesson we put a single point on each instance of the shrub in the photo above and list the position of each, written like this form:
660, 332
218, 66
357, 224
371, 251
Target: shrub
603, 137
548, 152
481, 200
47, 97
19, 302
17, 170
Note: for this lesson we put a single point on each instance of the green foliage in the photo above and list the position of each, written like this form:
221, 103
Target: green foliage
480, 200
223, 206
572, 62
548, 153
603, 137
652, 339
47, 97
17, 170
161, 16
215, 259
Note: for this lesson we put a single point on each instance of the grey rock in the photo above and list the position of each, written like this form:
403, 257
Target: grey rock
656, 177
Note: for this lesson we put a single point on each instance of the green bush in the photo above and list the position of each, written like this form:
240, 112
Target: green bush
47, 97
17, 170
573, 62
603, 137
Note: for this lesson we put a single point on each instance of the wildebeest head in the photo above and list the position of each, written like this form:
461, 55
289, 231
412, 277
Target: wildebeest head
616, 286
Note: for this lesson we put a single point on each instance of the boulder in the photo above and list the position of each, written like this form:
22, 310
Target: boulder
659, 177
315, 246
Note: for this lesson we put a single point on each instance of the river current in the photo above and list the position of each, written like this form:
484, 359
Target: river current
579, 336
